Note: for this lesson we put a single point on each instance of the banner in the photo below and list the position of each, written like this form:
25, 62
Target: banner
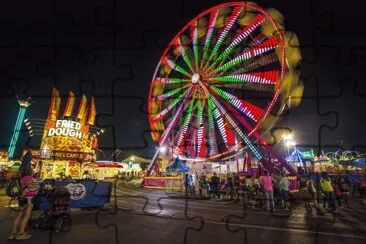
86, 193
69, 105
174, 183
82, 107
61, 155
92, 113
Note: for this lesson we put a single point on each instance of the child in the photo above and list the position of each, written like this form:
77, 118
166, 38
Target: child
30, 187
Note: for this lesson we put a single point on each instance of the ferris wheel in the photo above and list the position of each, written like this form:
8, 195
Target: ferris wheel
219, 79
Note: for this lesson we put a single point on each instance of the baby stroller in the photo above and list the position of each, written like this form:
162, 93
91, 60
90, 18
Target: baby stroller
58, 216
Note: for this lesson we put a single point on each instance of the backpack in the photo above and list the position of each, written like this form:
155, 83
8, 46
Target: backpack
13, 189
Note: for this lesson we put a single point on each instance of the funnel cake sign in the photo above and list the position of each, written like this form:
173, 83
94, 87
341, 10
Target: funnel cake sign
66, 128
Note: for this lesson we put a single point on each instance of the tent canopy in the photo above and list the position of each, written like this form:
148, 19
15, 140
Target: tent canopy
136, 159
108, 164
360, 162
177, 166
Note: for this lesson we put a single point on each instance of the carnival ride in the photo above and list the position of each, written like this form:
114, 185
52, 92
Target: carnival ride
220, 82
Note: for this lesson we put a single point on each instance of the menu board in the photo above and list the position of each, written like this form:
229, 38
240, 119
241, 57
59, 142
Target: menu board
59, 168
74, 169
47, 170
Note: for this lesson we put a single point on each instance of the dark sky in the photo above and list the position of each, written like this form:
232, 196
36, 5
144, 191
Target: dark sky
110, 50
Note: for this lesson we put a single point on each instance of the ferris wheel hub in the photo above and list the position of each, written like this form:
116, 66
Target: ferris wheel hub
195, 78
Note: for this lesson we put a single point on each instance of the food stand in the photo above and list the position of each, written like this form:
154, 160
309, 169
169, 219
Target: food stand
68, 145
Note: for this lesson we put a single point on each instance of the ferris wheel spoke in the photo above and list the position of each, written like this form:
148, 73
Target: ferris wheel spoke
247, 30
171, 93
232, 122
212, 23
200, 133
171, 105
176, 67
183, 132
251, 111
219, 121
184, 55
252, 52
195, 45
267, 77
172, 80
256, 64
211, 129
231, 21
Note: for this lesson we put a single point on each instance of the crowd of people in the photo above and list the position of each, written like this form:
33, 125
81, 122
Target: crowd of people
269, 191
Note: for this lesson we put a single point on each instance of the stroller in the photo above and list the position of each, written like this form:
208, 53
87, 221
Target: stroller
57, 215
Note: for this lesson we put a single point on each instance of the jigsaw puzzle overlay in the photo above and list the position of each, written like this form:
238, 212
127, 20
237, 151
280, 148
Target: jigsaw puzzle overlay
110, 50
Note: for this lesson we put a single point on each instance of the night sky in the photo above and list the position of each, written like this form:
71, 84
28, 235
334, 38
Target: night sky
110, 50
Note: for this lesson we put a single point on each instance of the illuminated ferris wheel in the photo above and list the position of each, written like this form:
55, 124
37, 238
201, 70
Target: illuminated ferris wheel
219, 79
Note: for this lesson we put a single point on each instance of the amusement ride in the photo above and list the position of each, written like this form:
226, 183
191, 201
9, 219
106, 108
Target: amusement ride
222, 83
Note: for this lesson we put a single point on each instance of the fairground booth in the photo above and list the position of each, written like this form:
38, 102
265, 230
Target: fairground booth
68, 147
172, 177
68, 142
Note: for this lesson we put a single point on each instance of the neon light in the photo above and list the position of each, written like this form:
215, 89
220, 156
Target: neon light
183, 132
168, 130
172, 92
213, 18
171, 105
225, 31
184, 55
171, 80
250, 53
176, 67
195, 46
211, 133
231, 121
234, 101
200, 128
267, 77
257, 21
17, 128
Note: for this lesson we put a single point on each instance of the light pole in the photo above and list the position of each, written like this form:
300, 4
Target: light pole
23, 105
236, 154
287, 141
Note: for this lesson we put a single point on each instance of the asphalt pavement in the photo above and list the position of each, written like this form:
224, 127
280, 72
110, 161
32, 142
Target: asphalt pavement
138, 215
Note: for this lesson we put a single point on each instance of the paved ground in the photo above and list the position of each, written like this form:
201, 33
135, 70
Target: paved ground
151, 216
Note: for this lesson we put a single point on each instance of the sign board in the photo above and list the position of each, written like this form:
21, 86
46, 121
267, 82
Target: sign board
64, 155
66, 128
308, 154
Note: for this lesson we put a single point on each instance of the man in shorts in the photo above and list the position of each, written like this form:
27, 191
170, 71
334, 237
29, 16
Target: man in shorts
30, 187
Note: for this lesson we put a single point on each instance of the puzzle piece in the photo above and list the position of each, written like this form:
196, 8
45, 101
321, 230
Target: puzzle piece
110, 50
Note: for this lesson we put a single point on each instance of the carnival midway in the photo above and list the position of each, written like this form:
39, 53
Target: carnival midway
213, 137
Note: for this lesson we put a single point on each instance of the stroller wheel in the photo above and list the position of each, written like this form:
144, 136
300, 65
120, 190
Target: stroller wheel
44, 221
65, 224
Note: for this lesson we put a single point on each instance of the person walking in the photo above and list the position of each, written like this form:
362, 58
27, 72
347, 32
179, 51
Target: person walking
236, 183
215, 182
284, 187
344, 185
337, 191
266, 180
230, 188
326, 185
310, 192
